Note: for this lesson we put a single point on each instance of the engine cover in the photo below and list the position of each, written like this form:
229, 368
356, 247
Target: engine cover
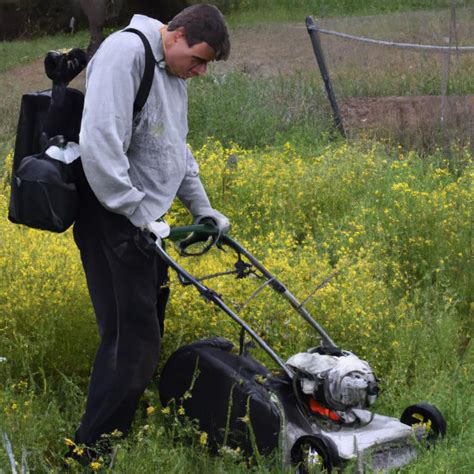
342, 382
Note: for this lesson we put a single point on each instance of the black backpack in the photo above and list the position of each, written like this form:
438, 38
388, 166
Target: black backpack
43, 190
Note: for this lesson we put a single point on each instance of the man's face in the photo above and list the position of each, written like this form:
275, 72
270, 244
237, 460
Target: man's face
185, 61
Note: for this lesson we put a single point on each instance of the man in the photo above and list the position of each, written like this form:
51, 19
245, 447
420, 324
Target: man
134, 166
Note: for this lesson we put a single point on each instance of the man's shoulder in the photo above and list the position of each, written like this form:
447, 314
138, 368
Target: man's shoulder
120, 48
122, 41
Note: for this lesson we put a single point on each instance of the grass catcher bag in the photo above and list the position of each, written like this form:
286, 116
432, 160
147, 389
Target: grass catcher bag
225, 392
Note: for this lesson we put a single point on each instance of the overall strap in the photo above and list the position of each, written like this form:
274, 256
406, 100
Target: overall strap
147, 79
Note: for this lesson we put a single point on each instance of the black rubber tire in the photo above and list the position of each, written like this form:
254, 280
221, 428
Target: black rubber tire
320, 446
422, 413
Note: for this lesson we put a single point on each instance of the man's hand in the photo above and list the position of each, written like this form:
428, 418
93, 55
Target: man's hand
216, 219
160, 229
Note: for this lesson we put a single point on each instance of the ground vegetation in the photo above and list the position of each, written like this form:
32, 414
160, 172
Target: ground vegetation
395, 222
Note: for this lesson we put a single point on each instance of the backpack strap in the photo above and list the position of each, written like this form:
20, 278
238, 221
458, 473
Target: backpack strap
147, 79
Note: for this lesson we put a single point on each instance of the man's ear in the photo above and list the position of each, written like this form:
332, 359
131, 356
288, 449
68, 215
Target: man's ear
179, 33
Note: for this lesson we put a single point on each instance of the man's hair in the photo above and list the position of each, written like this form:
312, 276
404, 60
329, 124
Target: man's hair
204, 22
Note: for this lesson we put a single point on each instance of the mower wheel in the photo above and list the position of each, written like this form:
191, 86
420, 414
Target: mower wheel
427, 416
314, 454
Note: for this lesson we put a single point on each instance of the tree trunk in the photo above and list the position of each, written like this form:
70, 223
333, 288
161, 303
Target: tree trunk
95, 11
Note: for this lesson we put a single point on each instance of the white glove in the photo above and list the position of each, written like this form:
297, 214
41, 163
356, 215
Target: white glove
160, 229
219, 220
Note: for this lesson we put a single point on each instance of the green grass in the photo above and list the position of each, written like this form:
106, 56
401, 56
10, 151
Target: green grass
253, 111
269, 111
17, 52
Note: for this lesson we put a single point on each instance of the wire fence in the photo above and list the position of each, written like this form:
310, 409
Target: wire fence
410, 91
423, 47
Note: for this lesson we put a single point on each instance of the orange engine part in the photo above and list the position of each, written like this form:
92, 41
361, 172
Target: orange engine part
319, 409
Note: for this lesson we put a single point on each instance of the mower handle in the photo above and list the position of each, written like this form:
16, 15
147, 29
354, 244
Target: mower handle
188, 235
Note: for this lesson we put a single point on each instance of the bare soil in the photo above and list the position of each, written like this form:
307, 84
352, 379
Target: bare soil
425, 121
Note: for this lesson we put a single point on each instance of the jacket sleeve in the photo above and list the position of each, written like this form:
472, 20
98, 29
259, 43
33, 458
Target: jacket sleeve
194, 197
191, 192
113, 79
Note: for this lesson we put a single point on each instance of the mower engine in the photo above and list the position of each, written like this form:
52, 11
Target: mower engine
339, 382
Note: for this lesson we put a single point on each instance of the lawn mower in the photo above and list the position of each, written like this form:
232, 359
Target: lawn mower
313, 411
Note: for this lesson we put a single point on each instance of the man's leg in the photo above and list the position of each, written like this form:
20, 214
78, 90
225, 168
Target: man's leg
123, 280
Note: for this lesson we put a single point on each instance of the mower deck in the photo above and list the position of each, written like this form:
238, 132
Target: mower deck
384, 443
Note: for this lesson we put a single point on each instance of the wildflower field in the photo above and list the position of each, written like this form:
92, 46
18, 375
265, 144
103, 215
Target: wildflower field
389, 227
396, 227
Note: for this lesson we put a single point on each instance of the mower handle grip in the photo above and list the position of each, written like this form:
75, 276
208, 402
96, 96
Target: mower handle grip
190, 235
201, 232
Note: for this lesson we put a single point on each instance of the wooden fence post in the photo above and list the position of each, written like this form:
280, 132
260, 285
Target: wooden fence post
318, 51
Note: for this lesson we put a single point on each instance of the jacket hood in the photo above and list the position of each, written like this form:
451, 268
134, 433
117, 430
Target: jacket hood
151, 29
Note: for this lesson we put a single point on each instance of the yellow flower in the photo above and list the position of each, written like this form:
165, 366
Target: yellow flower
245, 419
150, 410
203, 438
69, 442
181, 410
95, 466
165, 411
116, 433
78, 450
